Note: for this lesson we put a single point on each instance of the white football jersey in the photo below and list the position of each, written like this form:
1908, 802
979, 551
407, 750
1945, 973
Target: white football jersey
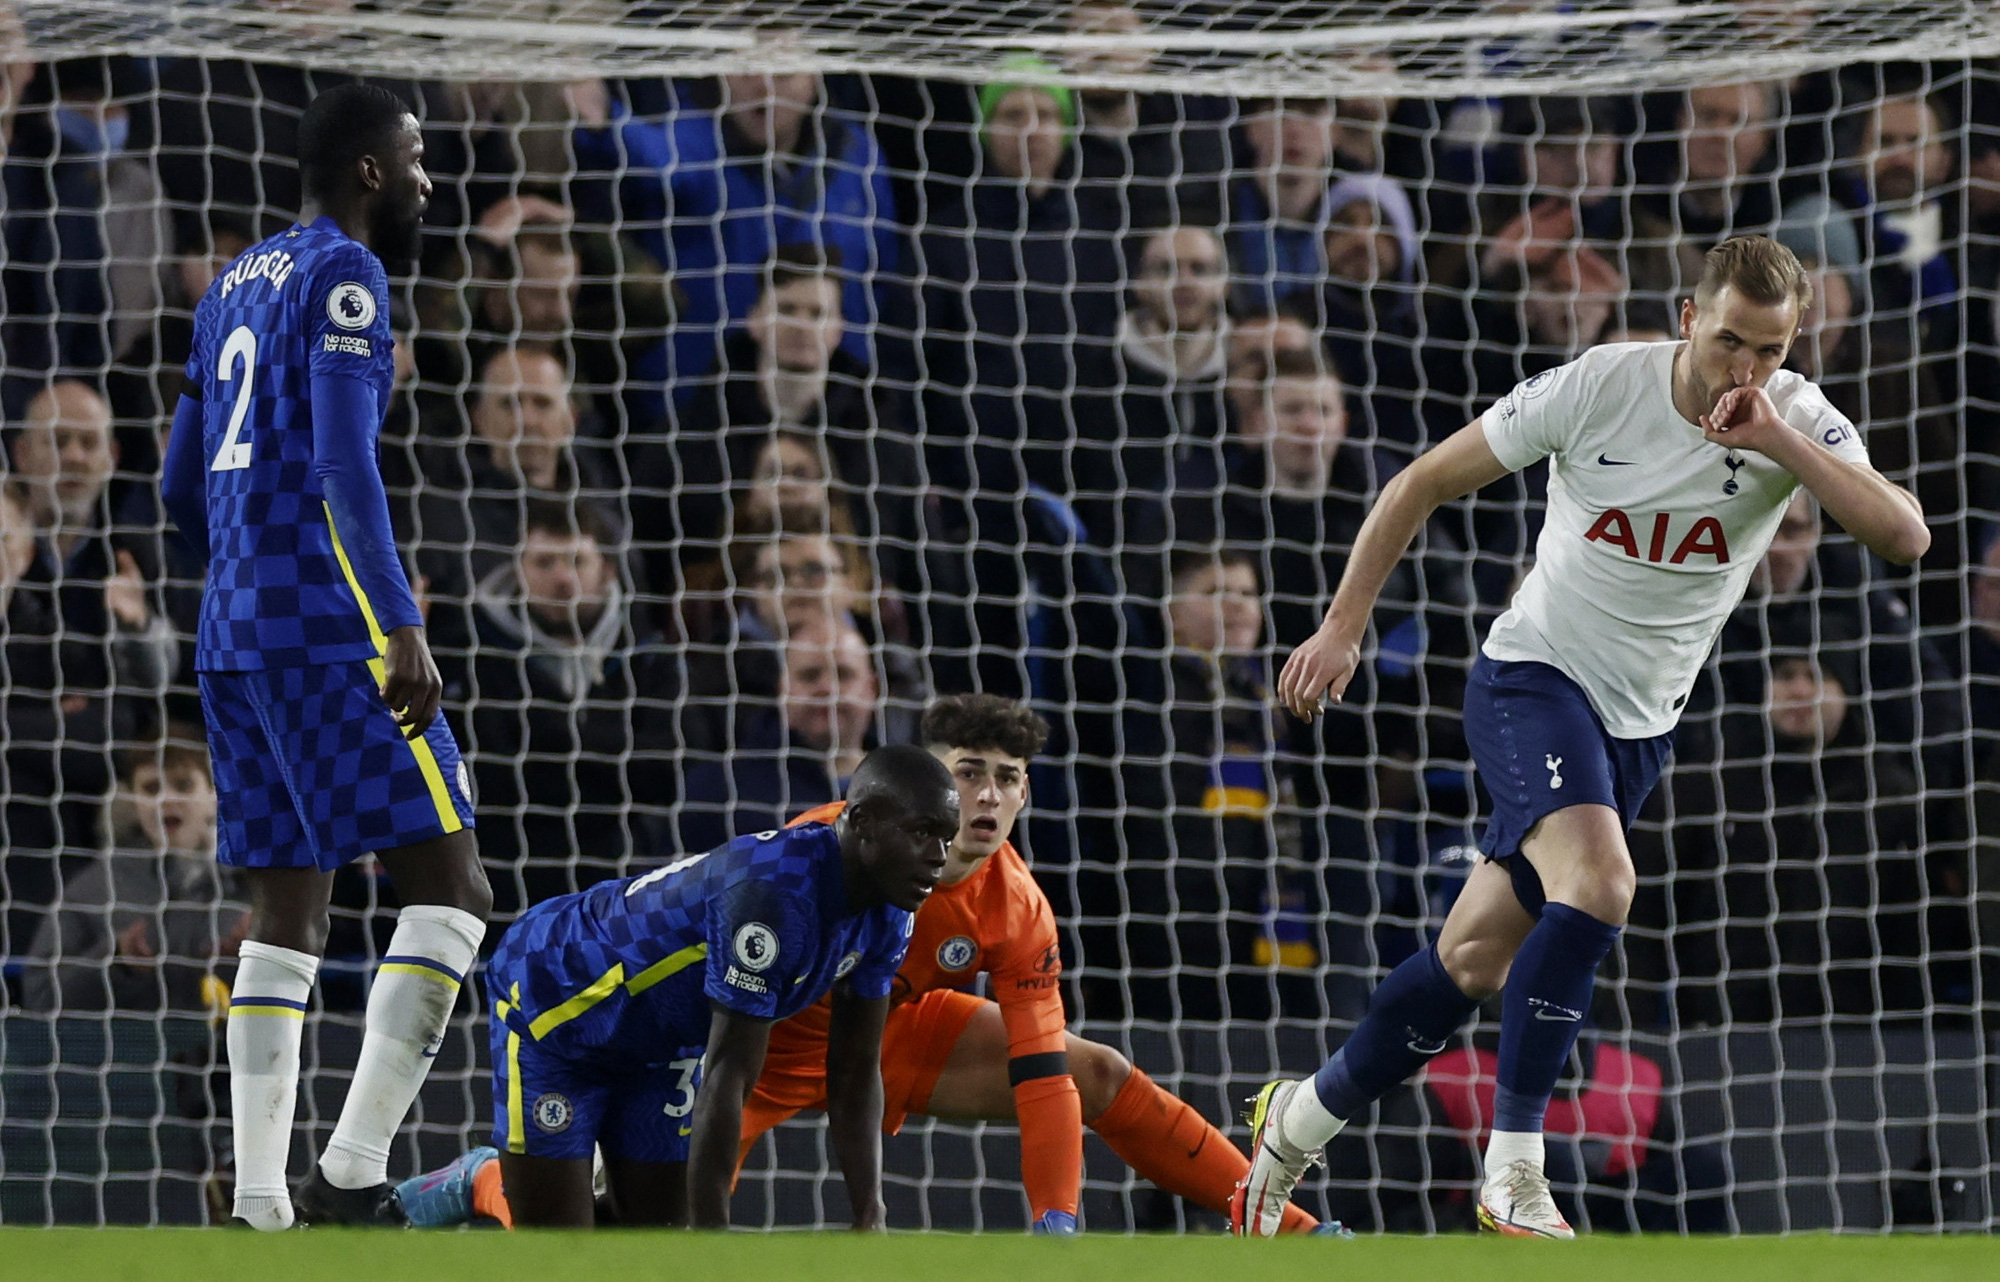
1651, 532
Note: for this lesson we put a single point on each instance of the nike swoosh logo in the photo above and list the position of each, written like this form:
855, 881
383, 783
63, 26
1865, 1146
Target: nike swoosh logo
1200, 1144
1563, 1017
686, 1131
432, 1054
1422, 1045
1602, 461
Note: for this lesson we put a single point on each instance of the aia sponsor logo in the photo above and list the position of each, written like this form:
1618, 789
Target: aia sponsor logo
1703, 538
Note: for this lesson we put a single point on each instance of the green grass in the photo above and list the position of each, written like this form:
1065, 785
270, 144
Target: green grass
118, 1255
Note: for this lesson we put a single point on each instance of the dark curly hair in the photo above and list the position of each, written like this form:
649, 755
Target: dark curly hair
985, 721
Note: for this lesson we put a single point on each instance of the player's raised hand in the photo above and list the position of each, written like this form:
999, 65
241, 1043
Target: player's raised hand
1743, 419
1321, 667
411, 685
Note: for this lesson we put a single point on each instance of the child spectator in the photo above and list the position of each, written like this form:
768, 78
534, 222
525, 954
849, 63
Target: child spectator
146, 924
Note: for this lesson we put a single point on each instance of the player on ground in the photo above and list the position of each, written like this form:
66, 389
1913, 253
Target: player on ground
947, 1053
1673, 464
605, 1002
317, 683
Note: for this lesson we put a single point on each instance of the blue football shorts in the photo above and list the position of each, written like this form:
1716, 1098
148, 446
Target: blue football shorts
1540, 747
554, 1100
312, 771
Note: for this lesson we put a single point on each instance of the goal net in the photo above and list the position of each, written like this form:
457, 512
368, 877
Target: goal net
769, 369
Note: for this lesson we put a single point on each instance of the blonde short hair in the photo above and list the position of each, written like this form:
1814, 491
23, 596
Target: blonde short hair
1758, 268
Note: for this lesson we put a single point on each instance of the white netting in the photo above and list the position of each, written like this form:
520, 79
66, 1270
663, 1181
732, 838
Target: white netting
1226, 46
1017, 469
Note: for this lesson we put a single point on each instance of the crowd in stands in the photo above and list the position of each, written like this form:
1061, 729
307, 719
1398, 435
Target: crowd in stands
737, 417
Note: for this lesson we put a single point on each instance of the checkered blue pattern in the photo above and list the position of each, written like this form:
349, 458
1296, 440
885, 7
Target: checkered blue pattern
770, 908
311, 770
640, 1112
289, 308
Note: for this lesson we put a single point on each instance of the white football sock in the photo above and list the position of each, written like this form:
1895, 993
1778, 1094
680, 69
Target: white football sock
1305, 1123
415, 989
267, 1013
1507, 1147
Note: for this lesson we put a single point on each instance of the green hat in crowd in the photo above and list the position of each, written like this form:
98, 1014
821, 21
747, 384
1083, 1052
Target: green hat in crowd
1014, 74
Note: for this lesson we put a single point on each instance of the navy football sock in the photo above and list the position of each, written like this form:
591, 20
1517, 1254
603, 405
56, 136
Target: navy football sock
1410, 1018
1547, 998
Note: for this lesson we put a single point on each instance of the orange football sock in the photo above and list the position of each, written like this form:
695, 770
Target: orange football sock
1164, 1140
488, 1197
1051, 1119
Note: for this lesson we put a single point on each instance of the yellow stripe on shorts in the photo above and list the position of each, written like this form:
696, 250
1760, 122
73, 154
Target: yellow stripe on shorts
517, 1138
420, 747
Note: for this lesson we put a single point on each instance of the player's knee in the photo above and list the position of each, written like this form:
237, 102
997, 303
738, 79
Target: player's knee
1100, 1073
301, 932
470, 893
476, 895
1601, 883
1620, 884
444, 871
1478, 966
467, 886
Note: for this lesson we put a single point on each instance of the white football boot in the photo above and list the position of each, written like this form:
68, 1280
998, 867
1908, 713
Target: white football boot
1516, 1202
1257, 1207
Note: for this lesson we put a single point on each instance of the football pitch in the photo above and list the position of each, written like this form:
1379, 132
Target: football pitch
168, 1255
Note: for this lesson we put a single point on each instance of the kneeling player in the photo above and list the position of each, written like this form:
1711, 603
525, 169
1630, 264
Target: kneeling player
949, 1054
605, 1002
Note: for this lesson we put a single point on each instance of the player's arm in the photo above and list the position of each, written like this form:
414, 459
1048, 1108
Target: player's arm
345, 421
1462, 463
1885, 518
183, 483
1027, 984
736, 1044
854, 1098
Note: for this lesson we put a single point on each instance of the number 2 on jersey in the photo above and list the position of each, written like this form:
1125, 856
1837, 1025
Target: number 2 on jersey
235, 453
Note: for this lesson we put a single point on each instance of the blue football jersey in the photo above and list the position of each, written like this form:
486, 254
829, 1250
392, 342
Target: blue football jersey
760, 926
308, 301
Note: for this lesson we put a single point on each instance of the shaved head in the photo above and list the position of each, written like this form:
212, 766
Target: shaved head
905, 778
902, 812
